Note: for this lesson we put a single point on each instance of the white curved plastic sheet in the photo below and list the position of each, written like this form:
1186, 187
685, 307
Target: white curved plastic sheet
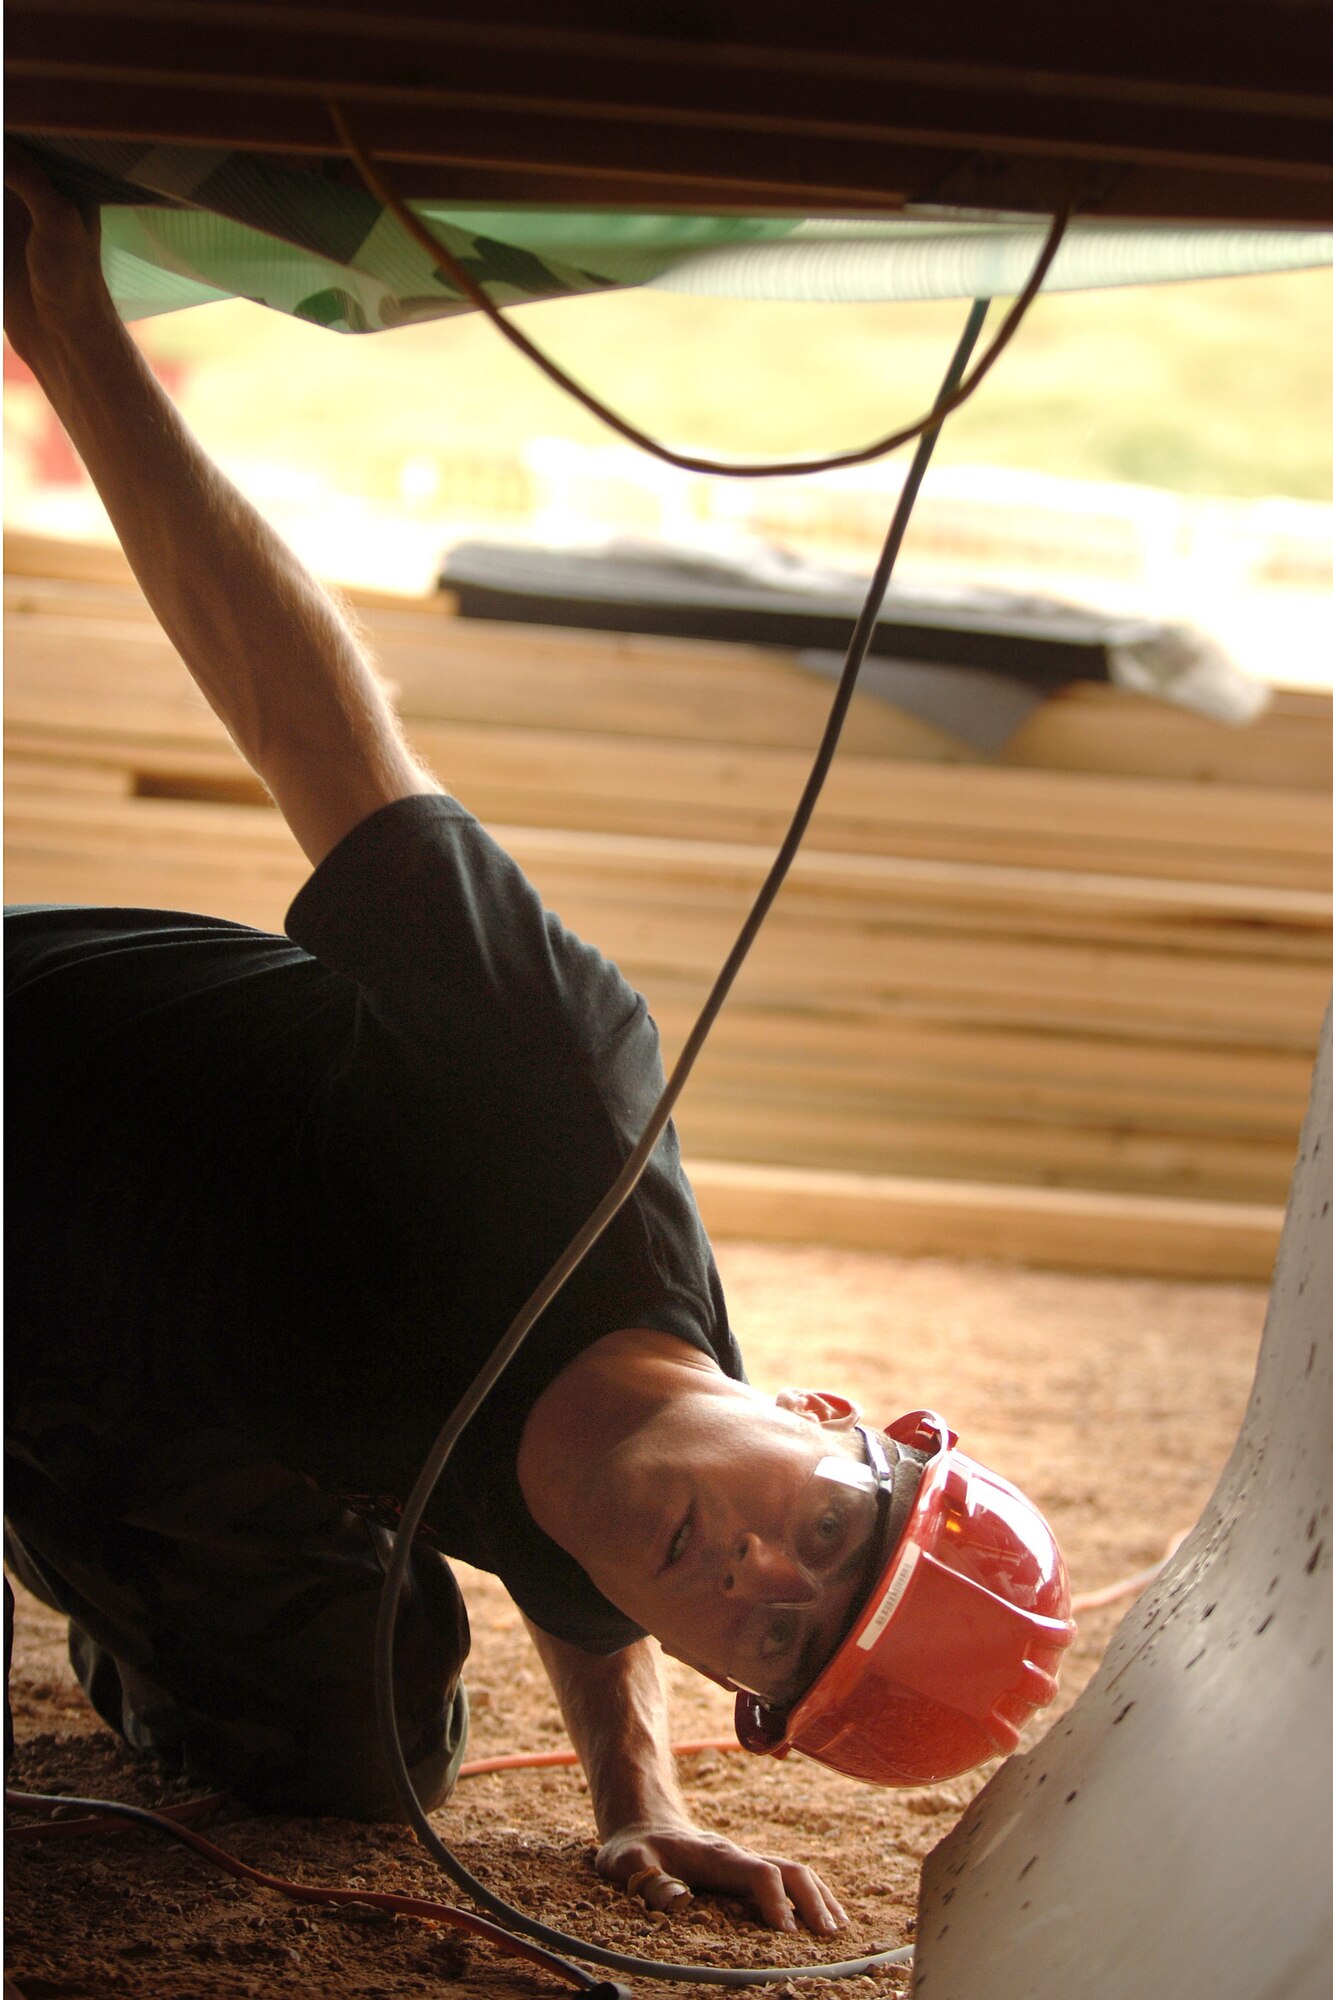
1172, 1834
856, 262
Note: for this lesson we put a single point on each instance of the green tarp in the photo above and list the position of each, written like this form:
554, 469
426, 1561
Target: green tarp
184, 225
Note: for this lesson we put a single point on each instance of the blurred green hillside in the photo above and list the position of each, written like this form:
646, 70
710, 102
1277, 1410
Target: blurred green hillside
1220, 387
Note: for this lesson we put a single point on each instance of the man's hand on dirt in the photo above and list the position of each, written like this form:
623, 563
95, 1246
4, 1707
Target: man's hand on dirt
662, 1866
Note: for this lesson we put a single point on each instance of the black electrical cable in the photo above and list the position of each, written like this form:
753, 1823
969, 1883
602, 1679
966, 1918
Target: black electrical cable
597, 1222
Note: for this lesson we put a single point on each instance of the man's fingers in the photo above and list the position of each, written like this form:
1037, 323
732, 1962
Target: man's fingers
55, 221
814, 1902
661, 1870
785, 1892
769, 1893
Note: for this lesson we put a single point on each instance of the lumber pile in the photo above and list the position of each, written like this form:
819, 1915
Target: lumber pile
1060, 1006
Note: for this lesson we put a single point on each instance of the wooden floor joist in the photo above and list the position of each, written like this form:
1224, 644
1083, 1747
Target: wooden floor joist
1061, 1079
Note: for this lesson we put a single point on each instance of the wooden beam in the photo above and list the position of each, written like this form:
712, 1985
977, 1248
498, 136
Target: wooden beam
873, 806
912, 1062
1062, 1229
418, 96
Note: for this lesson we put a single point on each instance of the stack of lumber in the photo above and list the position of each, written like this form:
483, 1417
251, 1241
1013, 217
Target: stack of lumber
1061, 1006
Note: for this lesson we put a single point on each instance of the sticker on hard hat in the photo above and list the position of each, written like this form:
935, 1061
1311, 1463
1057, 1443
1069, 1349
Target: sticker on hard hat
892, 1597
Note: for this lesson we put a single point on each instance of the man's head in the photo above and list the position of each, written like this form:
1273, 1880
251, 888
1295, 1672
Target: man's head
710, 1524
857, 1587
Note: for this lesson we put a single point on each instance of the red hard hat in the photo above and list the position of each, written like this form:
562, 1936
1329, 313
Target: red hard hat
958, 1640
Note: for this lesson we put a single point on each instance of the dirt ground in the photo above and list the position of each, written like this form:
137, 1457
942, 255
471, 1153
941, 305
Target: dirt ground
1115, 1402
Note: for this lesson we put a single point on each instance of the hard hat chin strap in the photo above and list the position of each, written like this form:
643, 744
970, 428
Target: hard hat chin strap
897, 1469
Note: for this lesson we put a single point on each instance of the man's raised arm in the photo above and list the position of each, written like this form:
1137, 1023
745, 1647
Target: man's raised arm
269, 649
615, 1710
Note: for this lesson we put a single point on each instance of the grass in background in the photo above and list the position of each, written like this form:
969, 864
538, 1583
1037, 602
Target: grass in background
1216, 387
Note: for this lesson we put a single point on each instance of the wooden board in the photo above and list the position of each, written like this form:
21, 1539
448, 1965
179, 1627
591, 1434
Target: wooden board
1064, 1229
776, 1038
1033, 819
1080, 1076
447, 669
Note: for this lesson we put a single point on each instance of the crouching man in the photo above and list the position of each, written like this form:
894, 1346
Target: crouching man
273, 1200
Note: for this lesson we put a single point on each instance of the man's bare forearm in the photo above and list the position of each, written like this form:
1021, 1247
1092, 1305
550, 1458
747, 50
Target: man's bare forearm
267, 646
615, 1710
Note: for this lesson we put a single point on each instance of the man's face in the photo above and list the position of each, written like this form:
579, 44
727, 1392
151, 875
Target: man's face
714, 1530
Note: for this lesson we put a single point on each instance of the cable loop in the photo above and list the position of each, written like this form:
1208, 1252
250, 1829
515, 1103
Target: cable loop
450, 266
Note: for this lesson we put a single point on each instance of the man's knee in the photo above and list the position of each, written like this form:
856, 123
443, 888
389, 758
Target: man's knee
266, 1686
335, 1767
353, 1778
315, 1751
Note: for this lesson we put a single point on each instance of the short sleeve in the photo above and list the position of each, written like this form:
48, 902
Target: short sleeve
451, 944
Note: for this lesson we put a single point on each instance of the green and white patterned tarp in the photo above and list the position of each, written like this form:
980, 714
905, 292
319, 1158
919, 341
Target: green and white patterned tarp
184, 225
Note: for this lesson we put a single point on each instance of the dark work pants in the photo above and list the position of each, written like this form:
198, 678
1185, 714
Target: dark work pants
224, 1619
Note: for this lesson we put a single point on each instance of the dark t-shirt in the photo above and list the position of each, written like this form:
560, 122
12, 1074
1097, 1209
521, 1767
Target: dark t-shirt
301, 1188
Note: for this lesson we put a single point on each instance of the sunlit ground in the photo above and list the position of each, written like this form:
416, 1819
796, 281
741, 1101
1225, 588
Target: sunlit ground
1161, 451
